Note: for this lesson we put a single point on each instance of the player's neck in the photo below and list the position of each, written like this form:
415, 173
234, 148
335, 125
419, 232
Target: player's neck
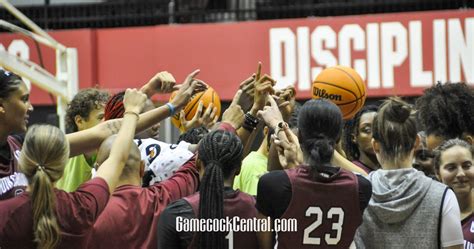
3, 136
369, 160
402, 163
465, 203
263, 149
229, 182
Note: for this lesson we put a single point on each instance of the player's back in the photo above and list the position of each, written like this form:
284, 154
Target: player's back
327, 209
236, 203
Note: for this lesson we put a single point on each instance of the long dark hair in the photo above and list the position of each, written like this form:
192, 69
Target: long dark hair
221, 153
320, 127
351, 129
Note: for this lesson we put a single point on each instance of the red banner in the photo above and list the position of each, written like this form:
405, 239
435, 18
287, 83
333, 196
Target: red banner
398, 54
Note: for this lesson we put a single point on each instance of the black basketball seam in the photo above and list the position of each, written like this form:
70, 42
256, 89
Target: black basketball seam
212, 98
352, 101
352, 78
197, 101
331, 84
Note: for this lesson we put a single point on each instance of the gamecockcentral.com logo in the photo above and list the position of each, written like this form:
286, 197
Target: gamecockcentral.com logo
235, 224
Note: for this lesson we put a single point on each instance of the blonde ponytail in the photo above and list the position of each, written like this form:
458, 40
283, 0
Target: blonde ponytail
45, 152
46, 227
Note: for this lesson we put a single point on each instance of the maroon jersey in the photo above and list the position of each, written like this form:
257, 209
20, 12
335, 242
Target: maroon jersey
12, 183
327, 210
76, 212
236, 204
143, 206
468, 231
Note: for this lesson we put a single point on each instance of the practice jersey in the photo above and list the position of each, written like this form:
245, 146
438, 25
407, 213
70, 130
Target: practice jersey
12, 182
235, 204
161, 159
327, 210
468, 231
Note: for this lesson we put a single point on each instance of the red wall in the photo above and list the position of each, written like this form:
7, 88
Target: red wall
227, 53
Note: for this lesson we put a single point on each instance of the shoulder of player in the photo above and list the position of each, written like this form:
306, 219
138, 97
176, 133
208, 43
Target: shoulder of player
364, 183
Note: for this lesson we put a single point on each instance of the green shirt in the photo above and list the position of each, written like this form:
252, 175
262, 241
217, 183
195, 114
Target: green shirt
253, 167
76, 172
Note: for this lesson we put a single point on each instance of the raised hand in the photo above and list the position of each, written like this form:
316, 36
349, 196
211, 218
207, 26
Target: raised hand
286, 101
288, 148
234, 114
271, 114
207, 119
263, 88
186, 90
248, 91
134, 101
162, 82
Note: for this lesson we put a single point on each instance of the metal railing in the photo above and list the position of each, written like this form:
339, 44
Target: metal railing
115, 13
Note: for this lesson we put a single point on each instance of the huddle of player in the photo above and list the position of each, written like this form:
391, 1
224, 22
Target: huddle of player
113, 184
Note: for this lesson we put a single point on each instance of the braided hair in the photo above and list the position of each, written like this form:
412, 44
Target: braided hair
351, 129
447, 110
114, 107
9, 82
320, 127
221, 154
194, 135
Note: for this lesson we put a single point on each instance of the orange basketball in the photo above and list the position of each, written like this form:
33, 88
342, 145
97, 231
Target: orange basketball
207, 97
343, 86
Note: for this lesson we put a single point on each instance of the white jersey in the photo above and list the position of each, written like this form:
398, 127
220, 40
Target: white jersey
162, 159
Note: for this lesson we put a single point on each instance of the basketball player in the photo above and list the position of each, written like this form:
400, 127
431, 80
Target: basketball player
219, 160
131, 214
446, 111
85, 111
358, 137
453, 164
45, 217
408, 209
14, 108
327, 201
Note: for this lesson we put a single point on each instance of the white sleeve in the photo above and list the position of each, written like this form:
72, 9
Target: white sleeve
451, 230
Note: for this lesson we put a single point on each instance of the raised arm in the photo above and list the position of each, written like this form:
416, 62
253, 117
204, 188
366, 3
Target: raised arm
112, 167
90, 139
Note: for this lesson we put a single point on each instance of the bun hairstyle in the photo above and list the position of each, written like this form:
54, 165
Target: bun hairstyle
44, 154
9, 82
447, 145
221, 153
394, 127
320, 127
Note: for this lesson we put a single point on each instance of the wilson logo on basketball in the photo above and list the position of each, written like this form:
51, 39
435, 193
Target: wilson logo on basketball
325, 95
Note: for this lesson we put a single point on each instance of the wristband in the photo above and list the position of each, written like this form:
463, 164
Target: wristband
226, 127
171, 107
250, 122
130, 112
